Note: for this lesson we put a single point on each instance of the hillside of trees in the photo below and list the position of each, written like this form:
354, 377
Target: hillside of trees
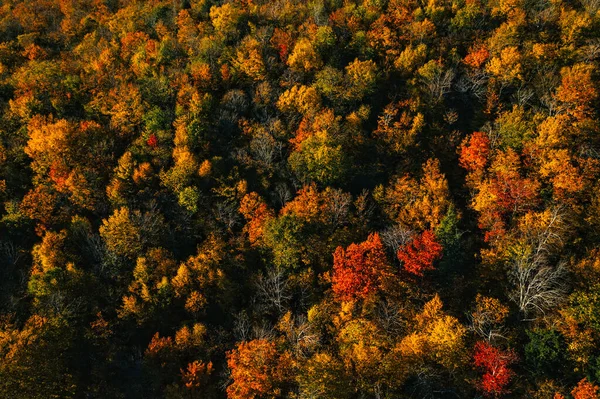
262, 199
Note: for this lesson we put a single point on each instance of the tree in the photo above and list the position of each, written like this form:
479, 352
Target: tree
307, 204
58, 287
545, 350
436, 81
125, 106
282, 41
257, 213
577, 90
495, 364
399, 125
195, 376
35, 359
436, 338
539, 285
174, 360
250, 59
226, 19
488, 317
303, 99
585, 390
150, 291
121, 234
360, 270
40, 89
304, 57
53, 144
201, 278
419, 254
361, 77
477, 56
273, 290
320, 158
474, 152
259, 370
363, 349
43, 204
506, 66
504, 193
324, 376
420, 204
411, 58
283, 235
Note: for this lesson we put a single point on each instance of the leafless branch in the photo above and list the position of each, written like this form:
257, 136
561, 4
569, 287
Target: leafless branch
273, 290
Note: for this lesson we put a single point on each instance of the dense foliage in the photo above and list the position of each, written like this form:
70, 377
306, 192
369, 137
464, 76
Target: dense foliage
299, 199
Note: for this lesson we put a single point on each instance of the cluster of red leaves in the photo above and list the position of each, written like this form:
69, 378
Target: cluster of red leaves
514, 193
493, 224
475, 151
152, 141
360, 270
282, 41
495, 364
420, 253
58, 174
504, 193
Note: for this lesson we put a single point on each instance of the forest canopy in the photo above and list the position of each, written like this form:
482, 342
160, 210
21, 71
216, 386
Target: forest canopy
255, 199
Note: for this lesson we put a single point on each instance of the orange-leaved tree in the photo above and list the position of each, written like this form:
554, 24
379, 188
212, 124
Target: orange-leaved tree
585, 390
360, 270
475, 151
259, 370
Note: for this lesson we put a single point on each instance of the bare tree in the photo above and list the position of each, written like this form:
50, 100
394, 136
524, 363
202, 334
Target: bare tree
263, 331
338, 206
364, 206
539, 285
10, 253
395, 237
538, 288
265, 149
591, 6
550, 103
242, 327
273, 290
484, 322
389, 316
300, 334
523, 96
319, 13
474, 82
227, 213
283, 193
439, 83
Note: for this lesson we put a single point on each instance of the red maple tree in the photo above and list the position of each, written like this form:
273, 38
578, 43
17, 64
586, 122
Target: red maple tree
420, 253
495, 364
475, 151
359, 270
